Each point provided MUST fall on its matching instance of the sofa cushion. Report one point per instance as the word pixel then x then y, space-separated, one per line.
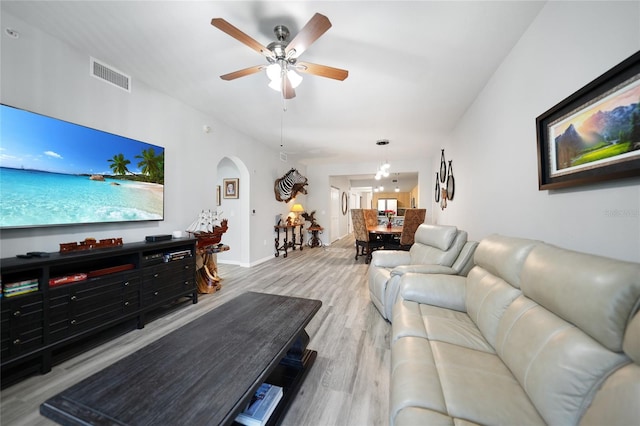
pixel 479 387
pixel 597 294
pixel 504 256
pixel 558 365
pixel 415 378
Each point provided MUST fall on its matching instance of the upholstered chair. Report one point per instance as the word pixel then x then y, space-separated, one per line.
pixel 437 249
pixel 412 219
pixel 364 243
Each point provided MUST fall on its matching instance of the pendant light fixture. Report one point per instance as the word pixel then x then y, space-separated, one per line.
pixel 383 170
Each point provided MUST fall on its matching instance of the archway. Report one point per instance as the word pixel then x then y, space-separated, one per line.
pixel 236 210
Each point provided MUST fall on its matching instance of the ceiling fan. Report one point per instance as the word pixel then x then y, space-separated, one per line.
pixel 283 55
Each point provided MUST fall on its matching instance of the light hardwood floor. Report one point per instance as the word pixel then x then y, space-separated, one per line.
pixel 347 385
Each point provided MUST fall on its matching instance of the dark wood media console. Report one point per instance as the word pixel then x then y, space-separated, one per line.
pixel 123 284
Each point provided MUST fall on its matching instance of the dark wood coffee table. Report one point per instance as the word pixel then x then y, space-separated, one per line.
pixel 203 373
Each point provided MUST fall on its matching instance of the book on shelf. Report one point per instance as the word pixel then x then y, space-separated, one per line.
pixel 176 255
pixel 20 287
pixel 262 405
pixel 66 279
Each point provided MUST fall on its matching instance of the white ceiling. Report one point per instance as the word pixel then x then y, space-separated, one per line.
pixel 414 66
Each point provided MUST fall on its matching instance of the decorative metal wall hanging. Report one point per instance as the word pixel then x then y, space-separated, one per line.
pixel 443 167
pixel 445 176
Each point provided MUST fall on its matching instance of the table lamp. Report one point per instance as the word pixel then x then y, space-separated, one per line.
pixel 297 209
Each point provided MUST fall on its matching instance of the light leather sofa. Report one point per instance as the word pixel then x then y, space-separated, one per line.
pixel 436 249
pixel 535 334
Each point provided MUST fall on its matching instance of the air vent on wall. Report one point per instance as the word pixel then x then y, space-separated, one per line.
pixel 283 156
pixel 109 74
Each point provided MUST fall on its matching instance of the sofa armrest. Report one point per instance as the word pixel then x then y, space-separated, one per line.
pixel 390 258
pixel 423 269
pixel 445 291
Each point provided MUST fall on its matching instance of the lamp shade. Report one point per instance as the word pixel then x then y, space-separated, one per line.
pixel 297 208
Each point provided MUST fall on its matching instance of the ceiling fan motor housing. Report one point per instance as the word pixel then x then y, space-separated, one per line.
pixel 279 47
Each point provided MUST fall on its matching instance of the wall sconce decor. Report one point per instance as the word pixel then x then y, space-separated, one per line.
pixel 446 192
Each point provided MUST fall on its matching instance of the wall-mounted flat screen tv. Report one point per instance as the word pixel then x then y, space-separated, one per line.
pixel 53 172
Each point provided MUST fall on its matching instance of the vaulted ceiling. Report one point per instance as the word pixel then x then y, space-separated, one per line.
pixel 414 66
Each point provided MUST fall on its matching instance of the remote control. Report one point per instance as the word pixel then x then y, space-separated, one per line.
pixel 38 254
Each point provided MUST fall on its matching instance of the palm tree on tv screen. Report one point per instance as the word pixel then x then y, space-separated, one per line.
pixel 119 164
pixel 152 165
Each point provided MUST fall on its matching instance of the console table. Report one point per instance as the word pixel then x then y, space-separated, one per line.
pixel 121 284
pixel 315 241
pixel 203 373
pixel 286 243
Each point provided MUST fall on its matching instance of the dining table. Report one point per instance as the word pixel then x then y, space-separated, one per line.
pixel 385 230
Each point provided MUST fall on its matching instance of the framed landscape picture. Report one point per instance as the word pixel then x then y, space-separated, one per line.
pixel 230 188
pixel 593 135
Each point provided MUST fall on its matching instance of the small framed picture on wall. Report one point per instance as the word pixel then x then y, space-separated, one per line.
pixel 230 188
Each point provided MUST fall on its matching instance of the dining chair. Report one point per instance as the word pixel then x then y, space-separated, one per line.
pixel 364 243
pixel 412 219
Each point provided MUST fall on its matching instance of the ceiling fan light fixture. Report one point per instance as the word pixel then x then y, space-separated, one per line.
pixel 274 73
pixel 294 78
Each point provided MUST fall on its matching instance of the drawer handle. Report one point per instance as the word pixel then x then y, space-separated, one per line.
pixel 17 313
pixel 186 283
pixel 74 298
pixel 126 283
pixel 126 303
pixel 186 266
pixel 156 275
pixel 73 322
pixel 17 342
pixel 155 293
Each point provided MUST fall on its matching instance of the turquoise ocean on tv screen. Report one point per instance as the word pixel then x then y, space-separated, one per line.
pixel 41 198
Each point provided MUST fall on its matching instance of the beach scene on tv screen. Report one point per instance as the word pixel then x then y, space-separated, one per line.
pixel 53 172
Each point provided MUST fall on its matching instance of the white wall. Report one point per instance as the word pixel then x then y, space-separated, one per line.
pixel 494 148
pixel 42 74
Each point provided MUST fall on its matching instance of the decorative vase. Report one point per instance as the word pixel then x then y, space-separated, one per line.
pixel 389 225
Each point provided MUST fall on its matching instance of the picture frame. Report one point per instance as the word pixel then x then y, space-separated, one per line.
pixel 345 203
pixel 218 195
pixel 230 188
pixel 594 134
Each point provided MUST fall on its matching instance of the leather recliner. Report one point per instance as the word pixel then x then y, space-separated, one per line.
pixel 437 249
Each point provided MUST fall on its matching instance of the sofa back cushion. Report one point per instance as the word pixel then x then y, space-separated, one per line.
pixel 563 337
pixel 597 294
pixel 490 288
pixel 504 256
pixel 437 245
pixel 438 236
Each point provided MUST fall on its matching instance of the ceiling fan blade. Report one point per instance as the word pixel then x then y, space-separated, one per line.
pixel 234 32
pixel 287 89
pixel 317 25
pixel 322 70
pixel 242 73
